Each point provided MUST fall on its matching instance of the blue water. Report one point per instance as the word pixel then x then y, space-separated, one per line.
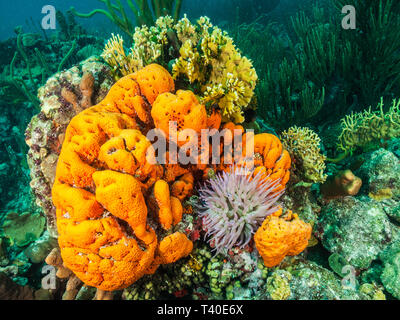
pixel 23 12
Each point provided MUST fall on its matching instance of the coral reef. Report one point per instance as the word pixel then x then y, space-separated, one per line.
pixel 140 209
pixel 303 144
pixel 107 137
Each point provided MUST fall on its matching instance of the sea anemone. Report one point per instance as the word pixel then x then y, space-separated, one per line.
pixel 234 205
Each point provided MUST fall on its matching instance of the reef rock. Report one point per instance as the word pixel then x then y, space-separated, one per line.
pixel 381 174
pixel 391 273
pixel 309 281
pixel 38 251
pixel 9 290
pixel 23 229
pixel 356 228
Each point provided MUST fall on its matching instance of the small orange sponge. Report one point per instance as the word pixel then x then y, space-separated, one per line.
pixel 279 237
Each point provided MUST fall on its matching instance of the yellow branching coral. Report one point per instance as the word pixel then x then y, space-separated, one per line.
pixel 114 54
pixel 148 47
pixel 360 129
pixel 201 56
pixel 303 146
pixel 231 81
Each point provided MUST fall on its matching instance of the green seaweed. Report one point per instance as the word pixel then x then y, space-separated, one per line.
pixel 313 69
pixel 21 50
pixel 21 85
pixel 141 10
pixel 67 56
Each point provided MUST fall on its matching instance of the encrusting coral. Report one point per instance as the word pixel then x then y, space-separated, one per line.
pixel 281 236
pixel 111 196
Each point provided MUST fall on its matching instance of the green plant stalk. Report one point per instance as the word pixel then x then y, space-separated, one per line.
pixel 339 158
pixel 20 48
pixel 157 8
pixel 177 10
pixel 43 64
pixel 21 86
pixel 123 23
pixel 68 55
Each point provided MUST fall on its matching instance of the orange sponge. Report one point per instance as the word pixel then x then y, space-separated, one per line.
pixel 182 108
pixel 102 180
pixel 279 237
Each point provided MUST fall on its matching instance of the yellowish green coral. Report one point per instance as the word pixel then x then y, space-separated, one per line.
pixel 201 55
pixel 303 145
pixel 372 291
pixel 226 78
pixel 147 48
pixel 114 54
pixel 360 129
pixel 278 285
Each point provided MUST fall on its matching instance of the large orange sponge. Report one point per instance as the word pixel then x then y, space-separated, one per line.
pixel 102 180
pixel 279 237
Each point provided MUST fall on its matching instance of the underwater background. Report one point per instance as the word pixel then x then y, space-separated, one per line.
pixel 323 101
